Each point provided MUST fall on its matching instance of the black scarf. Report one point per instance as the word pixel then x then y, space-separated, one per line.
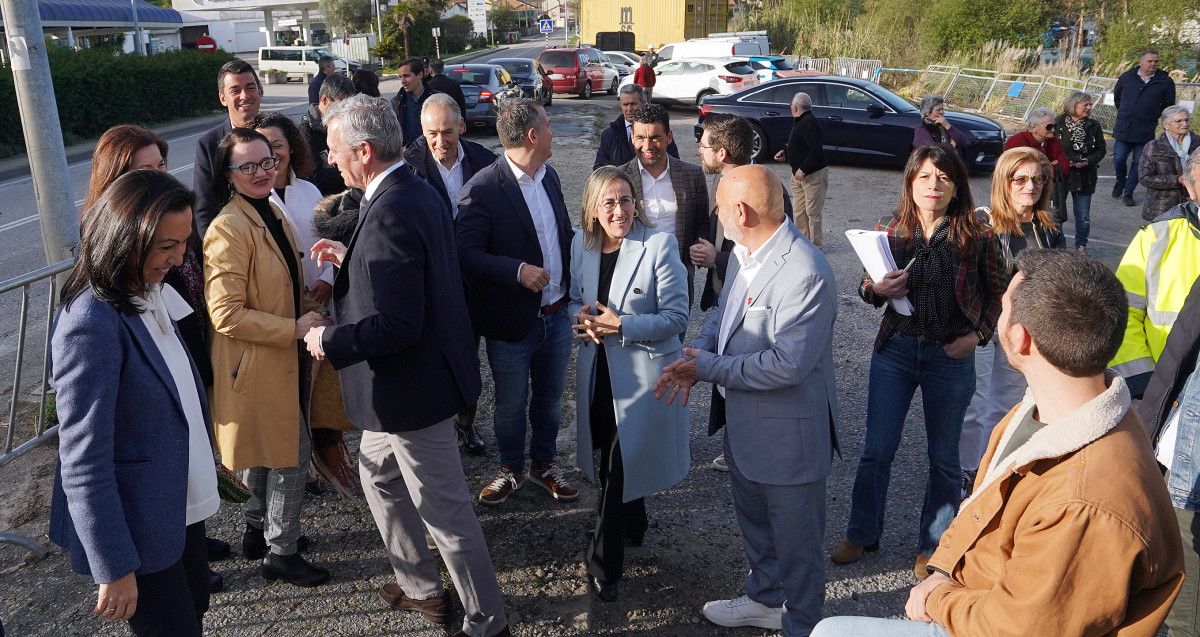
pixel 936 314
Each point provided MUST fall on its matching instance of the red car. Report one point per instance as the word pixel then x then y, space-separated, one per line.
pixel 580 71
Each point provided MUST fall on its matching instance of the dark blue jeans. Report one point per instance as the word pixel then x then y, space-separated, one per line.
pixel 1121 152
pixel 1081 206
pixel 947 384
pixel 539 361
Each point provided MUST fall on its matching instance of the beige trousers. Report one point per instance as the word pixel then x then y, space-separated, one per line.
pixel 808 198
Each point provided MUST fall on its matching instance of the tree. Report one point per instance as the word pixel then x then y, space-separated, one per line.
pixel 347 16
pixel 503 18
pixel 456 31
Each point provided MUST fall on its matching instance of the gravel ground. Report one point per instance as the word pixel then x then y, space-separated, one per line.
pixel 693 551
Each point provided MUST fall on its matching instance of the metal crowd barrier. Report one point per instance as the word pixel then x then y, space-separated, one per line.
pixel 854 67
pixel 39 433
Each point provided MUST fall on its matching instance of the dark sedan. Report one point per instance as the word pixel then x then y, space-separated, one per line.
pixel 530 76
pixel 483 86
pixel 862 121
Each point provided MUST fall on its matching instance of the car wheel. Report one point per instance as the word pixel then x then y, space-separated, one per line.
pixel 760 146
pixel 612 90
pixel 587 90
pixel 703 94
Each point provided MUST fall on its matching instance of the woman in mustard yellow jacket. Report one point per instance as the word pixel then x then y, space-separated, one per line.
pixel 254 289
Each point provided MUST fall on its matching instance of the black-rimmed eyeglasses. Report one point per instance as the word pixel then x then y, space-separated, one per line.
pixel 249 168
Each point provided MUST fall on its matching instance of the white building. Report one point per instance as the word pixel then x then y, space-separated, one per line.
pixel 242 26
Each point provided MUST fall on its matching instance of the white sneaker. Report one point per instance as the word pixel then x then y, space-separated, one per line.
pixel 743 611
pixel 719 464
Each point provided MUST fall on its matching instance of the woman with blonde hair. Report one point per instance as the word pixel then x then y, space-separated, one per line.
pixel 1020 218
pixel 629 298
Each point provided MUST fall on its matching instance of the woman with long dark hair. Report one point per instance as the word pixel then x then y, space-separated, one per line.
pixel 135 479
pixel 953 278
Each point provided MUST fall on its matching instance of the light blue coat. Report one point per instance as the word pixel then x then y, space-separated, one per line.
pixel 649 292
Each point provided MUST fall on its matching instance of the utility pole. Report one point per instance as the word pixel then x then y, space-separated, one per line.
pixel 137 30
pixel 43 134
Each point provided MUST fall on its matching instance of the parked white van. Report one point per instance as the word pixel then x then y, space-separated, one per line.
pixel 297 61
pixel 719 47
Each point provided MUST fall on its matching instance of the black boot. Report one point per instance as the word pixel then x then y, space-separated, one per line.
pixel 254 543
pixel 292 569
pixel 464 424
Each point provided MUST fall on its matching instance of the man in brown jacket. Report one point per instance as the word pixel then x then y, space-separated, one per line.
pixel 1069 530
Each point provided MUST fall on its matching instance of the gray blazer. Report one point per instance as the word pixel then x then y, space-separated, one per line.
pixel 648 293
pixel 777 367
pixel 691 197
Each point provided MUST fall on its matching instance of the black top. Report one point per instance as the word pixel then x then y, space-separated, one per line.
pixel 804 146
pixel 275 227
pixel 608 264
pixel 280 191
pixel 936 314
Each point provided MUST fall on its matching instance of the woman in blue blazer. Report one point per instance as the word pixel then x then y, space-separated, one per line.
pixel 630 301
pixel 135 478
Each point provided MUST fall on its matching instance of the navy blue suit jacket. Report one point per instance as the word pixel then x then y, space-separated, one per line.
pixel 495 235
pixel 120 485
pixel 403 345
pixel 204 176
pixel 615 147
pixel 418 157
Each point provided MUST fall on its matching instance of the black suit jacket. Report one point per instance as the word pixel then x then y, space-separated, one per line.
pixel 442 84
pixel 716 275
pixel 495 235
pixel 1175 365
pixel 403 345
pixel 615 147
pixel 204 177
pixel 475 159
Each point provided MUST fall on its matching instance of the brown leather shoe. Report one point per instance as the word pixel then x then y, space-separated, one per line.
pixel 921 567
pixel 848 552
pixel 435 610
pixel 461 633
pixel 502 486
pixel 550 478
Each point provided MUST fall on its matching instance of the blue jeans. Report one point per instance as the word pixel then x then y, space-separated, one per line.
pixel 1121 152
pixel 904 364
pixel 1081 206
pixel 538 360
pixel 873 627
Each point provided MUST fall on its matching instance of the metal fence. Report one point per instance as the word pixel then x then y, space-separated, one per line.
pixel 27 425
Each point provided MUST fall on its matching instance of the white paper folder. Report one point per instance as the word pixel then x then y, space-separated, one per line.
pixel 873 250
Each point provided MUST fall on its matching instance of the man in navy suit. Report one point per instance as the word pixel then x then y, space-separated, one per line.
pixel 404 352
pixel 240 93
pixel 616 142
pixel 514 243
pixel 446 161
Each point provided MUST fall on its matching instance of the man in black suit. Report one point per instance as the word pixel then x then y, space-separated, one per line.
pixel 240 93
pixel 325 68
pixel 404 355
pixel 439 83
pixel 514 242
pixel 446 161
pixel 616 141
pixel 408 99
pixel 326 178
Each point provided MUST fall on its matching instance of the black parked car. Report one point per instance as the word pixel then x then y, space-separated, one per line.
pixel 530 76
pixel 862 121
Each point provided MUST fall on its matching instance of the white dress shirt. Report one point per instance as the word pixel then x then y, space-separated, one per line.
pixel 749 266
pixel 546 226
pixel 299 201
pixel 161 306
pixel 453 179
pixel 369 191
pixel 658 198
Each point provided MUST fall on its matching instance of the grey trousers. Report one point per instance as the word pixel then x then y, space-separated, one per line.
pixel 275 499
pixel 1184 618
pixel 783 529
pixel 414 480
pixel 808 200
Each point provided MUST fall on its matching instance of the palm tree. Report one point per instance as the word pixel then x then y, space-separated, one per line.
pixel 405 13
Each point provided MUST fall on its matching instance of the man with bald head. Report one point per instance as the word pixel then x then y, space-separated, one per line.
pixel 767 348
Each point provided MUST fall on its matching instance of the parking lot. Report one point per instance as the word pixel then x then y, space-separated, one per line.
pixel 693 551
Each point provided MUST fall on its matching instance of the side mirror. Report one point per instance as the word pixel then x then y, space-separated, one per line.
pixel 875 109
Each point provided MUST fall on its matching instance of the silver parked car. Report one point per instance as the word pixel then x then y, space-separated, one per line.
pixel 483 86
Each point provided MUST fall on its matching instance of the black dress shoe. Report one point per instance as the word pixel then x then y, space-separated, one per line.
pixel 470 440
pixel 606 592
pixel 1118 190
pixel 216 583
pixel 217 550
pixel 254 544
pixel 292 569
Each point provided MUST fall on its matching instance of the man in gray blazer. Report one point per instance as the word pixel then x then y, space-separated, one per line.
pixel 767 347
pixel 674 193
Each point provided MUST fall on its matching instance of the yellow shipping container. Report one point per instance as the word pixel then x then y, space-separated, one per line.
pixel 653 22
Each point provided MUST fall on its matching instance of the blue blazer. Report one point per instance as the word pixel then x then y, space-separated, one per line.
pixel 649 293
pixel 418 157
pixel 616 149
pixel 403 346
pixel 120 486
pixel 495 235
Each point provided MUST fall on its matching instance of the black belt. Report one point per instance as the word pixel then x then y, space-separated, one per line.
pixel 547 310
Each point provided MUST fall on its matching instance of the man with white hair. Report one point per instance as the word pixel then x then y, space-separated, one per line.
pixel 810 172
pixel 405 354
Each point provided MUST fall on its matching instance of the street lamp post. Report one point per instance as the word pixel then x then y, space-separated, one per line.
pixel 137 29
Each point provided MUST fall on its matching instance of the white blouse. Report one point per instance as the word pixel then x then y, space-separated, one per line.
pixel 161 307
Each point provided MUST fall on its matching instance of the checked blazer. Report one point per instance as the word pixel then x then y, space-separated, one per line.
pixel 979 281
pixel 691 197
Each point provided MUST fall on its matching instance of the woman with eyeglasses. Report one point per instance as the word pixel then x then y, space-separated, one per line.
pixel 1019 218
pixel 1161 167
pixel 629 298
pixel 1083 143
pixel 254 284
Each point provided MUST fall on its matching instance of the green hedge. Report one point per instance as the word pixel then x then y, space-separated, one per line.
pixel 96 89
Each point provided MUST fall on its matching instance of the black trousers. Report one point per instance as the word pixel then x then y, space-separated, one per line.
pixel 617 520
pixel 172 602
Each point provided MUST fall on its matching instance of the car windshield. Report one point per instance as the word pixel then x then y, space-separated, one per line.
pixel 781 65
pixel 558 59
pixel 741 68
pixel 517 67
pixel 324 52
pixel 895 101
pixel 470 74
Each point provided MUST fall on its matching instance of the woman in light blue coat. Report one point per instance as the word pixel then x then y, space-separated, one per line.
pixel 630 301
